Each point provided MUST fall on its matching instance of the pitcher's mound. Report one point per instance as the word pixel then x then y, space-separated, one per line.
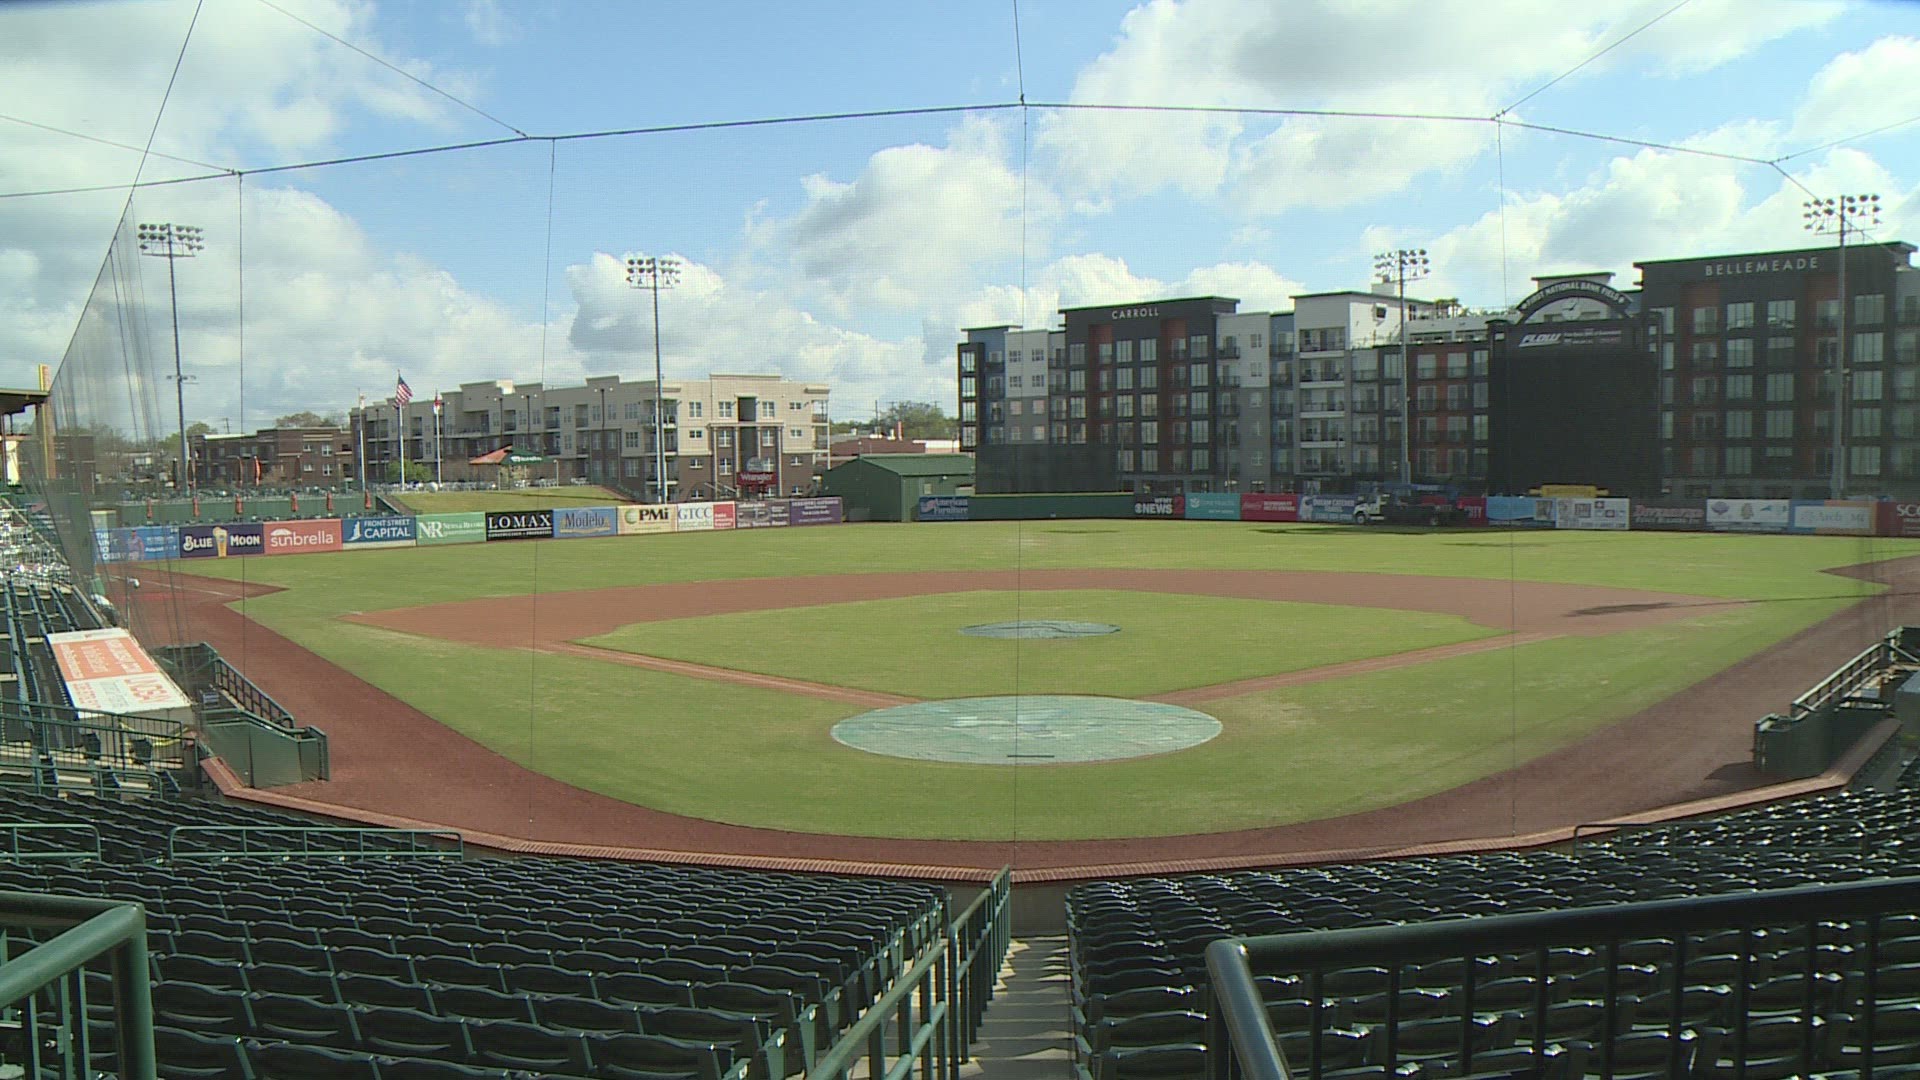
pixel 1040 729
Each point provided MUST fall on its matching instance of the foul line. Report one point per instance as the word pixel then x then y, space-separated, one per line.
pixel 1369 666
pixel 870 698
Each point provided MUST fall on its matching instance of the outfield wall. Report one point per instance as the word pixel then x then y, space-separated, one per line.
pixel 1826 517
pixel 149 543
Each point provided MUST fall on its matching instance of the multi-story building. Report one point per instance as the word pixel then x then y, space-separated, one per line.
pixel 723 435
pixel 275 457
pixel 1751 346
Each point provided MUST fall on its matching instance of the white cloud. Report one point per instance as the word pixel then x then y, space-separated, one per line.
pixel 489 25
pixel 1860 91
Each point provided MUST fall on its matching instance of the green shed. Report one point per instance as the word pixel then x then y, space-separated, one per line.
pixel 887 487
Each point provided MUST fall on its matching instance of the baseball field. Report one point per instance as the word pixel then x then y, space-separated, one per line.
pixel 1349 669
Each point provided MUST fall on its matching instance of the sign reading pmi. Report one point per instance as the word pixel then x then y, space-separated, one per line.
pixel 636 519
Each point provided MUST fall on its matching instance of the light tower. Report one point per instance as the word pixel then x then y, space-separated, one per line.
pixel 1400 266
pixel 654 274
pixel 1839 215
pixel 173 242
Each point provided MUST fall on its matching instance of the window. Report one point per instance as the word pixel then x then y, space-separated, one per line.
pixel 1705 425
pixel 1739 424
pixel 1456 429
pixel 1197 346
pixel 769 436
pixel 1740 316
pixel 1124 405
pixel 1740 352
pixel 1826 314
pixel 1700 461
pixel 1077 381
pixel 1426 366
pixel 1202 374
pixel 1865 423
pixel 1480 363
pixel 1666 424
pixel 631 439
pixel 1481 428
pixel 1150 351
pixel 1666 356
pixel 769 410
pixel 1705 320
pixel 596 414
pixel 696 409
pixel 1779 351
pixel 1866 386
pixel 1779 423
pixel 1149 378
pixel 1706 352
pixel 1366 367
pixel 1739 387
pixel 1663 318
pixel 1202 460
pixel 1866 348
pixel 1780 314
pixel 1149 404
pixel 1106 379
pixel 723 438
pixel 726 407
pixel 697 435
pixel 1739 461
pixel 796 433
pixel 1077 408
pixel 1906 385
pixel 1123 352
pixel 726 466
pixel 1869 310
pixel 1780 386
pixel 1705 388
pixel 1480 395
pixel 1077 354
pixel 1149 432
pixel 1202 431
pixel 1253 342
pixel 1457 365
pixel 1866 460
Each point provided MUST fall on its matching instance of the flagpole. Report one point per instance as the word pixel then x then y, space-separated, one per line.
pixel 437 454
pixel 401 407
pixel 360 454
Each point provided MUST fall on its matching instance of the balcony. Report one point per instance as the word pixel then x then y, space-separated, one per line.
pixel 1228 352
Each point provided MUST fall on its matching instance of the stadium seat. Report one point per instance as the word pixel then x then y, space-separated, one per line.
pixel 638 988
pixel 511 1045
pixel 646 1057
pixel 457 971
pixel 298 982
pixel 582 1014
pixel 183 968
pixel 410 1033
pixel 357 961
pixel 193 1055
pixel 472 1003
pixel 202 1009
pixel 402 1068
pixel 378 991
pixel 290 1061
pixel 546 979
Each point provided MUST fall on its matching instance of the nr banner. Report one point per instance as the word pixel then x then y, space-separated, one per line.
pixel 637 520
pixel 723 515
pixel 1278 506
pixel 1670 517
pixel 519 524
pixel 813 512
pixel 692 516
pixel 298 537
pixel 1211 507
pixel 378 532
pixel 221 541
pixel 572 522
pixel 1832 517
pixel 464 528
pixel 941 508
pixel 1749 515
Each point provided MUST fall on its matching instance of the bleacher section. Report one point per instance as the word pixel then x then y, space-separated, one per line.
pixel 399 967
pixel 1140 978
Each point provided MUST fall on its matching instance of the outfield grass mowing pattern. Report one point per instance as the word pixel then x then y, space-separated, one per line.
pixel 457 502
pixel 755 757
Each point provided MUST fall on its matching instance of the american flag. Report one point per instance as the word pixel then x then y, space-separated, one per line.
pixel 402 393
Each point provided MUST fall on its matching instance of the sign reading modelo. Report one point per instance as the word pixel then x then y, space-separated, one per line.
pixel 576 521
pixel 378 532
pixel 942 508
pixel 1749 515
pixel 1159 506
pixel 463 528
pixel 294 537
pixel 1281 506
pixel 221 541
pixel 813 512
pixel 519 524
pixel 692 516
pixel 635 520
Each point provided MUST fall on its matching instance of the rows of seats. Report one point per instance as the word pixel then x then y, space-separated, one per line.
pixel 1140 984
pixel 136 830
pixel 445 967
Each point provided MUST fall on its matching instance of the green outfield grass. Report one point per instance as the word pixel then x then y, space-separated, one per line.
pixel 760 758
pixel 456 502
pixel 914 646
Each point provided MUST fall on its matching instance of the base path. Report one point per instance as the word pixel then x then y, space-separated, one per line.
pixel 395 765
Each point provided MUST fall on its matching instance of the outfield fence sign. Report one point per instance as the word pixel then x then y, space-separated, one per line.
pixel 813 511
pixel 1749 515
pixel 764 514
pixel 1899 519
pixel 519 524
pixel 636 520
pixel 466 528
pixel 1832 517
pixel 724 515
pixel 221 541
pixel 1212 507
pixel 572 522
pixel 692 517
pixel 301 537
pixel 1672 517
pixel 378 532
pixel 1270 506
pixel 1603 515
pixel 1328 509
pixel 941 508
pixel 1169 507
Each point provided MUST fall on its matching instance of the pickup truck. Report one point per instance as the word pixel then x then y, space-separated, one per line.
pixel 1398 510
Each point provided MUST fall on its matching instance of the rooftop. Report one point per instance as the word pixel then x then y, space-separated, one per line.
pixel 918 464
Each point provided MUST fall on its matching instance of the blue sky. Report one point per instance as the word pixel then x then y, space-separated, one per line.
pixel 854 250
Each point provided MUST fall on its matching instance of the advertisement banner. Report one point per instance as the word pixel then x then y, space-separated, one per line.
pixel 1672 517
pixel 1280 506
pixel 571 522
pixel 1900 519
pixel 153 542
pixel 814 511
pixel 1749 515
pixel 764 514
pixel 636 519
pixel 296 537
pixel 107 670
pixel 1328 509
pixel 221 541
pixel 941 508
pixel 109 548
pixel 465 528
pixel 1512 509
pixel 1213 508
pixel 1473 507
pixel 723 515
pixel 692 516
pixel 1605 515
pixel 1832 517
pixel 519 524
pixel 1159 506
pixel 378 532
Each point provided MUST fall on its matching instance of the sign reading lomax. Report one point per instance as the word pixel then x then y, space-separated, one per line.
pixel 1760 266
pixel 1134 313
pixel 519 524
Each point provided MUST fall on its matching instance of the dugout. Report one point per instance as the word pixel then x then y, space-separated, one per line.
pixel 887 487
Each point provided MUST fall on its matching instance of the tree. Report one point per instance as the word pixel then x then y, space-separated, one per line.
pixel 416 472
pixel 917 420
pixel 306 418
pixel 170 442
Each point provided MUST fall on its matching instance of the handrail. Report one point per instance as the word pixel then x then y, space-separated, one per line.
pixel 948 975
pixel 11 830
pixel 421 843
pixel 1849 676
pixel 90 929
pixel 1233 963
pixel 47 712
pixel 1633 828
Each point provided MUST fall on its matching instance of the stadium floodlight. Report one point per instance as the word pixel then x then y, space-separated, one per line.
pixel 1402 265
pixel 174 242
pixel 654 274
pixel 1839 215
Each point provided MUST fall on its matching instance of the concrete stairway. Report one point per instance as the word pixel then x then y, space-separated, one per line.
pixel 1026 1035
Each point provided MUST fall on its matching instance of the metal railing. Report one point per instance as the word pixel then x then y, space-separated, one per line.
pixel 14 837
pixel 310 841
pixel 1806 914
pixel 1653 834
pixel 89 930
pixel 200 667
pixel 1865 668
pixel 936 1005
